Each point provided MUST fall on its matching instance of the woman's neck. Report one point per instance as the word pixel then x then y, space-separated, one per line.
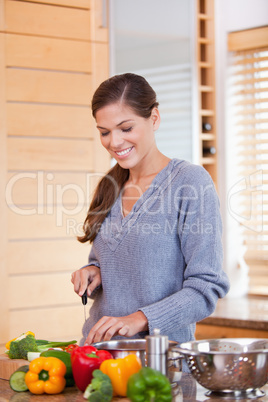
pixel 149 168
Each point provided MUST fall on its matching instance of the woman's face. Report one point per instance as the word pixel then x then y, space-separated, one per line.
pixel 128 137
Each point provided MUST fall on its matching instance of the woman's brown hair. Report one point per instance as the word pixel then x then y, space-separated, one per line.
pixel 133 91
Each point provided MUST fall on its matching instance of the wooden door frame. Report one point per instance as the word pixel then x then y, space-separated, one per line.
pixel 4 283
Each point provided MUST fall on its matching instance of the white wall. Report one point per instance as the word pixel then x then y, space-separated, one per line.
pixel 231 15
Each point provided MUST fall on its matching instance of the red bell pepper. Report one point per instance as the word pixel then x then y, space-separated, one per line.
pixel 86 359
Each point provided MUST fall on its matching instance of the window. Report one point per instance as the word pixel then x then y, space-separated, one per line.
pixel 248 117
pixel 157 42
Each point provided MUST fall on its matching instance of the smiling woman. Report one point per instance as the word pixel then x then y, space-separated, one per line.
pixel 151 265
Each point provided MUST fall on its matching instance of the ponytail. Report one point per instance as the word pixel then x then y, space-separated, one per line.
pixel 107 191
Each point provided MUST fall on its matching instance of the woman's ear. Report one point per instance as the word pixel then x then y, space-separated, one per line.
pixel 155 116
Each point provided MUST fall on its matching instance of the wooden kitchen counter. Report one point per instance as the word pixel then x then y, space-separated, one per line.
pixel 245 317
pixel 186 389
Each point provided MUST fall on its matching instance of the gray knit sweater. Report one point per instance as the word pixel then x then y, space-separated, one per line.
pixel 165 257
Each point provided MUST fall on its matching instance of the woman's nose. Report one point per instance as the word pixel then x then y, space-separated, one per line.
pixel 116 139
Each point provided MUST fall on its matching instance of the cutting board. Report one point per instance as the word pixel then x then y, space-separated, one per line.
pixel 8 366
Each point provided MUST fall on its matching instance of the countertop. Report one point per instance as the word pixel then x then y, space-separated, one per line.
pixel 244 312
pixel 185 389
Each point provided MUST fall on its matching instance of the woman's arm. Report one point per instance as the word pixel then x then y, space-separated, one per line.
pixel 199 231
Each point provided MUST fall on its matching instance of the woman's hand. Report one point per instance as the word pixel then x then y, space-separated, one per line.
pixel 86 278
pixel 107 327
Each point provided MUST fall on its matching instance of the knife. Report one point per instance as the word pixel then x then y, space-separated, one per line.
pixel 84 302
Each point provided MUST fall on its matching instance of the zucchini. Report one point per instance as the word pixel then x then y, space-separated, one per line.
pixel 16 380
pixel 65 357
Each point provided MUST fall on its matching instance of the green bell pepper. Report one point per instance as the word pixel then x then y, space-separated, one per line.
pixel 149 385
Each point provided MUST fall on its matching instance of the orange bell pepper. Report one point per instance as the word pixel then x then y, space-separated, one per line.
pixel 46 375
pixel 119 371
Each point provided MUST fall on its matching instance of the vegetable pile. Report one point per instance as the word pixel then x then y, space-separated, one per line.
pixel 19 348
pixel 95 372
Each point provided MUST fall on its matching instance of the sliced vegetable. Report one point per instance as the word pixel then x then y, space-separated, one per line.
pixel 46 375
pixel 70 348
pixel 66 359
pixel 149 385
pixel 86 359
pixel 119 371
pixel 17 379
pixel 32 355
pixel 100 389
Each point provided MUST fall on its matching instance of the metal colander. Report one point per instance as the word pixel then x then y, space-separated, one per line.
pixel 235 366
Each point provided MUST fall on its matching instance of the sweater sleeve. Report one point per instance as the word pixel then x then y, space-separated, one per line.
pixel 199 231
pixel 92 259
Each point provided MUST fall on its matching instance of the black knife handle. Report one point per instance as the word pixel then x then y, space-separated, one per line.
pixel 84 298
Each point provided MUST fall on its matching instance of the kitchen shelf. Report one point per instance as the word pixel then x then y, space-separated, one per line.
pixel 206 86
pixel 207 137
pixel 204 41
pixel 208 161
pixel 204 64
pixel 203 16
pixel 204 112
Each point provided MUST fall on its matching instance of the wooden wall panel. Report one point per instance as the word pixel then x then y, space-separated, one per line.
pixel 45 20
pixel 46 188
pixel 48 86
pixel 48 53
pixel 48 323
pixel 2 23
pixel 100 60
pixel 49 154
pixel 42 120
pixel 4 280
pixel 50 65
pixel 69 3
pixel 41 290
pixel 52 223
pixel 99 21
pixel 68 255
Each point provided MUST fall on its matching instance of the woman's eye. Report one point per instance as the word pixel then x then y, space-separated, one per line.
pixel 104 134
pixel 127 130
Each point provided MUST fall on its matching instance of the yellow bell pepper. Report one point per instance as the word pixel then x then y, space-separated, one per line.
pixel 119 371
pixel 21 336
pixel 46 375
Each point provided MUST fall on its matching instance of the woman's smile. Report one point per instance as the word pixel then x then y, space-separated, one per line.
pixel 124 152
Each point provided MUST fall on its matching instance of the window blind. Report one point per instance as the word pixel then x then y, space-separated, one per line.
pixel 173 86
pixel 249 84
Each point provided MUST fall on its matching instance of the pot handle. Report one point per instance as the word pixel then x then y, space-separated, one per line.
pixel 174 358
pixel 185 352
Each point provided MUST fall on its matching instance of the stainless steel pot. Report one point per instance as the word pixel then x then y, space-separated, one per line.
pixel 123 347
pixel 236 367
